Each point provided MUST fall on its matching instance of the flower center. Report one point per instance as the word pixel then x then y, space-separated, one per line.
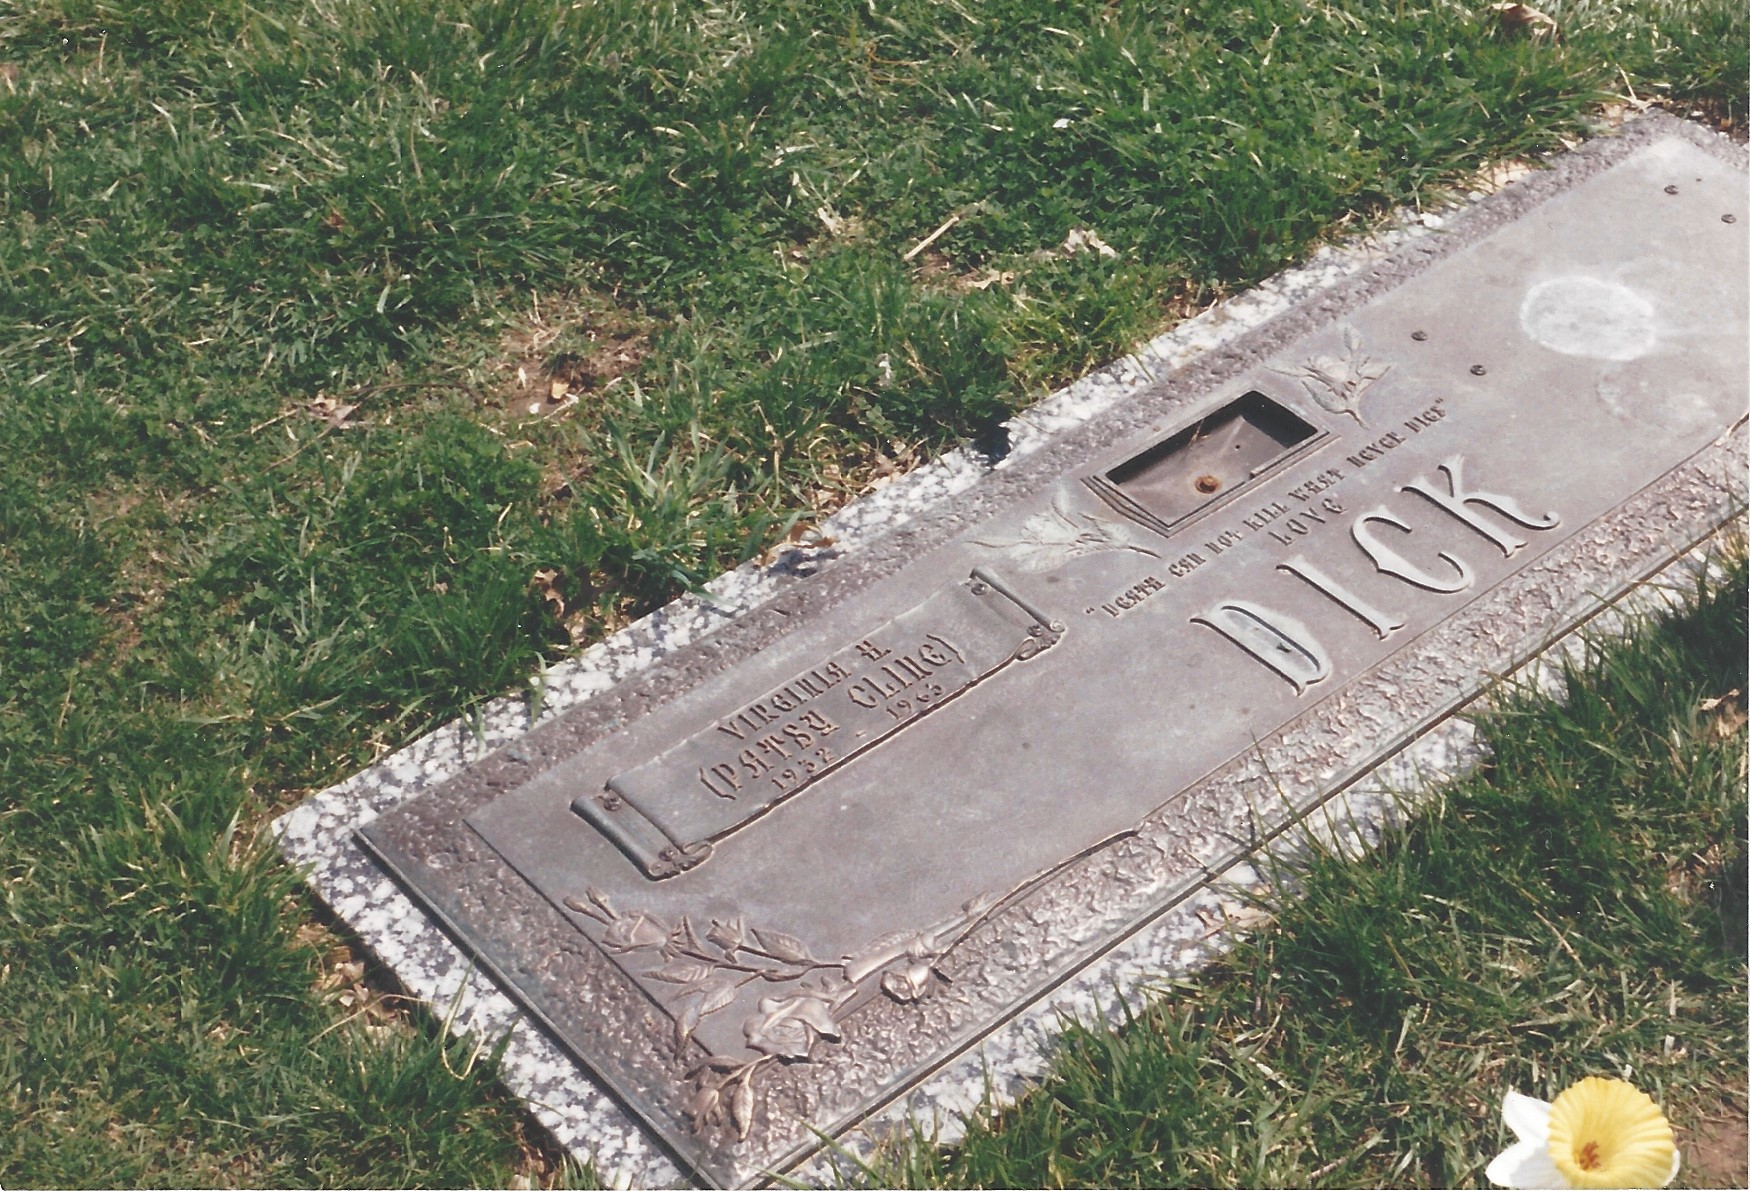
pixel 1606 1133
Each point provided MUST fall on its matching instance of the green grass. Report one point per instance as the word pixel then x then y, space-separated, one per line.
pixel 219 221
pixel 1577 908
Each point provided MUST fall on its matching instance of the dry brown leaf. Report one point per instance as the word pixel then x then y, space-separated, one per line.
pixel 1082 239
pixel 326 409
pixel 804 535
pixel 577 627
pixel 1503 173
pixel 546 581
pixel 1726 717
pixel 992 277
pixel 1522 18
pixel 341 976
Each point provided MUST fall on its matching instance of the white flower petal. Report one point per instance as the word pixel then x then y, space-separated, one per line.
pixel 1676 1161
pixel 1527 1116
pixel 1525 1164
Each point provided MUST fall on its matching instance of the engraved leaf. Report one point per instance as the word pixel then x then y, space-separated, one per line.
pixel 1051 538
pixel 1337 385
pixel 718 1063
pixel 779 945
pixel 631 932
pixel 741 1108
pixel 704 1108
pixel 685 1023
pixel 681 971
pixel 601 899
pixel 716 996
pixel 1330 393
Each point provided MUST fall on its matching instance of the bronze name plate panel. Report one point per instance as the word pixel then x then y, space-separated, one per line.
pixel 665 813
pixel 793 868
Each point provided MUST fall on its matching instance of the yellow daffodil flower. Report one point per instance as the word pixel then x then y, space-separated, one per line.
pixel 1598 1133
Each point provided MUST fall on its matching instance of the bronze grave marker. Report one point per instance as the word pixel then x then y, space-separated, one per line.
pixel 798 865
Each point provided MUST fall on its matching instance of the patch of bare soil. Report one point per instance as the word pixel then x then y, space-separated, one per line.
pixel 145 575
pixel 1716 114
pixel 559 352
pixel 1716 1152
pixel 1713 113
pixel 559 361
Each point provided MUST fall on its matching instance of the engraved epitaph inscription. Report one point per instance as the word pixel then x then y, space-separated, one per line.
pixel 918 819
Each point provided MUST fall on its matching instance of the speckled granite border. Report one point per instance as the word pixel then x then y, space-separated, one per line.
pixel 582 1118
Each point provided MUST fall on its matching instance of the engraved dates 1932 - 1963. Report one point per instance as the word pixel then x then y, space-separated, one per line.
pixel 666 813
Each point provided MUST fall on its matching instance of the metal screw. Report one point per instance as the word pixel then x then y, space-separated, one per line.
pixel 1671 189
pixel 1206 484
pixel 1477 370
pixel 1419 336
pixel 1728 219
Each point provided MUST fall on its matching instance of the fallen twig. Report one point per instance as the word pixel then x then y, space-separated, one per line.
pixel 932 237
